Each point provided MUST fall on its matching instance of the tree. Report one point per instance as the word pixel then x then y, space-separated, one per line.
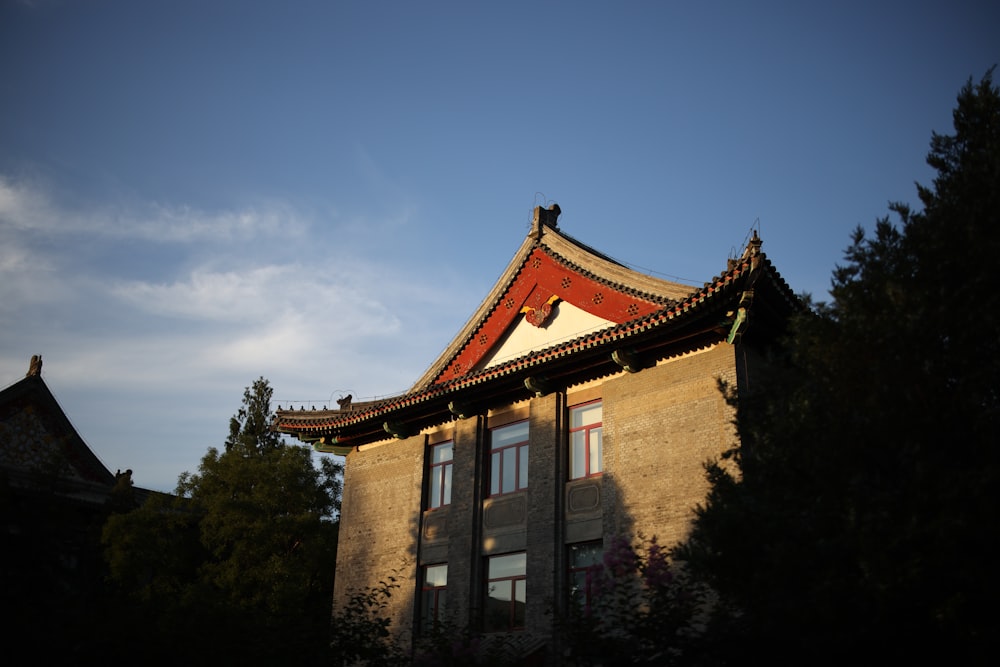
pixel 241 562
pixel 265 512
pixel 857 522
pixel 250 431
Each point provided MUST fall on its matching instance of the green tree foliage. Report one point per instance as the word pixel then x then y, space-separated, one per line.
pixel 858 524
pixel 250 430
pixel 240 563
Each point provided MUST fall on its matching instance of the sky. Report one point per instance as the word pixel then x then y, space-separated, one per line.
pixel 196 194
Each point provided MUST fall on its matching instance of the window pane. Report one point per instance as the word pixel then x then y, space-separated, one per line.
pixel 519 590
pixel 495 473
pixel 509 467
pixel 447 484
pixel 501 590
pixel 435 487
pixel 498 606
pixel 436 575
pixel 523 472
pixel 519 596
pixel 582 560
pixel 583 415
pixel 577 454
pixel 442 452
pixel 578 586
pixel 508 435
pixel 511 565
pixel 585 555
pixel 596 459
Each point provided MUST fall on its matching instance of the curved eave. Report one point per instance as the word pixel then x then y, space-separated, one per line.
pixel 700 319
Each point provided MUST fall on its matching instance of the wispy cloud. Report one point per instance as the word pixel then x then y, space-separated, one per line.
pixel 188 307
pixel 28 207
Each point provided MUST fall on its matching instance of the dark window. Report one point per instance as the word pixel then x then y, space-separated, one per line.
pixel 433 595
pixel 509 458
pixel 439 475
pixel 585 440
pixel 505 592
pixel 584 559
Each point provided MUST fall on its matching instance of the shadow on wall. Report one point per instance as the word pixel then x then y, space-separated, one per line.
pixel 643 597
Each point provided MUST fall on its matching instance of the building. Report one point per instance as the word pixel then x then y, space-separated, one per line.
pixel 579 402
pixel 55 495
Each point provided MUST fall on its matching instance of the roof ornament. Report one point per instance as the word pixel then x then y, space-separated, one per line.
pixel 548 217
pixel 537 312
pixel 35 366
pixel 753 247
pixel 345 402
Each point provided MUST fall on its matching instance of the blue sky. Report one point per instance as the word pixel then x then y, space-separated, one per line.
pixel 196 194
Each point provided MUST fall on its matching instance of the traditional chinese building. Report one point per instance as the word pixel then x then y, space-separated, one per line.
pixel 55 495
pixel 578 402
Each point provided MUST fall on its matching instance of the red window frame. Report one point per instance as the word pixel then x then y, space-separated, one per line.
pixel 509 578
pixel 584 560
pixel 439 474
pixel 584 433
pixel 433 594
pixel 509 458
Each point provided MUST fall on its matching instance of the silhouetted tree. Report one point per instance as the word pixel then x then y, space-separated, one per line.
pixel 857 527
pixel 240 564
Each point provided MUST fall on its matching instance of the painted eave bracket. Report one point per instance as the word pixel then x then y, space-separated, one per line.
pixel 627 359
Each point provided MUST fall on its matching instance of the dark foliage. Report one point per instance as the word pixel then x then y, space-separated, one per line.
pixel 858 527
pixel 237 568
pixel 643 610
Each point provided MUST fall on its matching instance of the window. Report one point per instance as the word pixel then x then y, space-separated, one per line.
pixel 439 475
pixel 583 559
pixel 509 458
pixel 505 592
pixel 585 457
pixel 433 595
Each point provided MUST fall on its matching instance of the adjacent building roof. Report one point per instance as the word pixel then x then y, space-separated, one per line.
pixel 561 313
pixel 40 447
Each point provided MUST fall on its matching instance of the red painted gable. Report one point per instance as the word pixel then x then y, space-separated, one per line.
pixel 542 281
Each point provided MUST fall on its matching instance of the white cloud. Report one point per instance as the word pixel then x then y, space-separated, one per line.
pixel 151 358
pixel 29 208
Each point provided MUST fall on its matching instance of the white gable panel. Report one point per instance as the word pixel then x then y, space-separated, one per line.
pixel 566 323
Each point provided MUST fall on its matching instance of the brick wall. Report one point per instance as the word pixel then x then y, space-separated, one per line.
pixel 463 534
pixel 546 474
pixel 660 426
pixel 380 522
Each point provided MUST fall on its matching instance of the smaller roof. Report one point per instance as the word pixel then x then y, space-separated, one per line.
pixel 36 436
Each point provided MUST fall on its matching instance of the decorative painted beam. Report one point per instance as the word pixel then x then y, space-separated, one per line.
pixel 331 445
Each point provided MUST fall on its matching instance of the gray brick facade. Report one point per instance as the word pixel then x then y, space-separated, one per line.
pixel 660 425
